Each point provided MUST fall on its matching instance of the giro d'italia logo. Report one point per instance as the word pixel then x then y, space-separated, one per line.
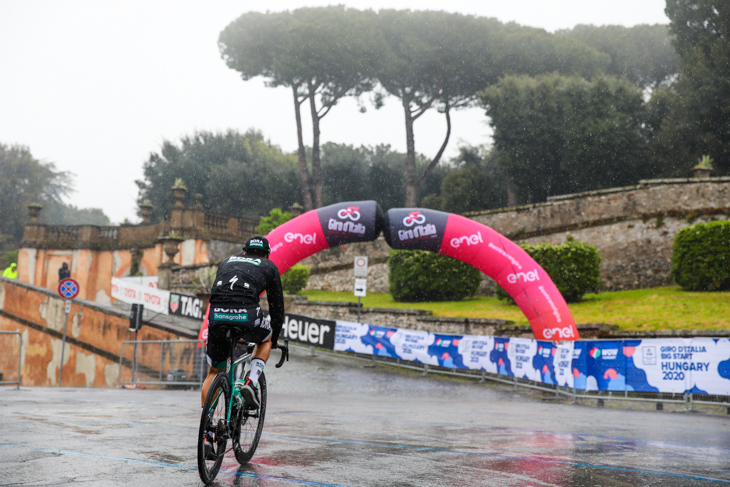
pixel 350 212
pixel 414 218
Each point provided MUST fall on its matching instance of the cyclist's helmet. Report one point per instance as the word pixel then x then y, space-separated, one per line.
pixel 257 245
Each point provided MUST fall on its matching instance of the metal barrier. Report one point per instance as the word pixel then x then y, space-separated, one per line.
pixel 11 344
pixel 166 363
pixel 687 399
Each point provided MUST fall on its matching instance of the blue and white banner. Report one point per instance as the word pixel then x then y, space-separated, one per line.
pixel 698 365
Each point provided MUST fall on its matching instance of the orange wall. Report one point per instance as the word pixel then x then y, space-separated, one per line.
pixel 87 323
pixel 94 269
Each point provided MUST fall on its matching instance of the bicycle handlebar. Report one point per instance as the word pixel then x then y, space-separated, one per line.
pixel 284 352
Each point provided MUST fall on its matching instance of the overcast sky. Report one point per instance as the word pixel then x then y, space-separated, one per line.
pixel 96 86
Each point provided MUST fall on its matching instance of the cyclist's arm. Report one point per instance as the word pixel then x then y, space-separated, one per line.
pixel 275 296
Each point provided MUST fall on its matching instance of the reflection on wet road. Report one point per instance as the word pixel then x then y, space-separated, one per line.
pixel 332 423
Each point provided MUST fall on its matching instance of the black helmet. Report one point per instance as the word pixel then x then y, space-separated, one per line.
pixel 257 244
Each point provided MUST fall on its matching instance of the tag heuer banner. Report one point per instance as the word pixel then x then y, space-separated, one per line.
pixel 186 305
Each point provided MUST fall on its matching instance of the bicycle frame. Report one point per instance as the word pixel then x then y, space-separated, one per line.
pixel 231 366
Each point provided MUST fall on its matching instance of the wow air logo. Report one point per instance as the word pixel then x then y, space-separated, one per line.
pixel 350 215
pixel 594 353
pixel 416 220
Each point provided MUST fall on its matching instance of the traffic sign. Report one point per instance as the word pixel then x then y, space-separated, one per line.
pixel 361 287
pixel 361 266
pixel 68 288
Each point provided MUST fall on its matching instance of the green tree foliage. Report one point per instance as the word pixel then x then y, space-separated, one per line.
pixel 441 59
pixel 417 275
pixel 24 180
pixel 557 135
pixel 701 257
pixel 369 173
pixel 698 121
pixel 268 223
pixel 9 257
pixel 321 53
pixel 237 174
pixel 295 279
pixel 574 268
pixel 643 53
pixel 475 183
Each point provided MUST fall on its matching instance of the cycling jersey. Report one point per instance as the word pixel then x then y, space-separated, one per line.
pixel 240 281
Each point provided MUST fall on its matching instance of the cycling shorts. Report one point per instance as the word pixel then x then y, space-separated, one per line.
pixel 247 324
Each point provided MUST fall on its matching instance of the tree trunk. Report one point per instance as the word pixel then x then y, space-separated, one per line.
pixel 436 159
pixel 303 171
pixel 316 167
pixel 411 177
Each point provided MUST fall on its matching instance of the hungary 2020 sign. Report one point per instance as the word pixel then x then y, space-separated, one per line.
pixel 435 231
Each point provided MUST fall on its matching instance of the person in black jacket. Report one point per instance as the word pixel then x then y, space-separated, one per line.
pixel 234 303
pixel 63 272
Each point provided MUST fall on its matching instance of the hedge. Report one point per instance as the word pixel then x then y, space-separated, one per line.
pixel 574 267
pixel 417 275
pixel 701 257
pixel 295 279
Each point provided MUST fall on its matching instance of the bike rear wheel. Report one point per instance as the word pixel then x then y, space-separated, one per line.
pixel 247 428
pixel 213 418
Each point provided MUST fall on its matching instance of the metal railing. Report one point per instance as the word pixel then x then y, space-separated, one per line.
pixel 688 400
pixel 11 345
pixel 165 363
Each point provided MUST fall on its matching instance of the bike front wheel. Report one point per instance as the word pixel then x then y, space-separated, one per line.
pixel 248 426
pixel 213 424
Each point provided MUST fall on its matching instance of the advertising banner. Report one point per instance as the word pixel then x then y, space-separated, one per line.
pixel 699 365
pixel 153 299
pixel 186 305
pixel 308 331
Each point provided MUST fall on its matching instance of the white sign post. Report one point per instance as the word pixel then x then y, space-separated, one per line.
pixel 361 266
pixel 361 287
pixel 360 270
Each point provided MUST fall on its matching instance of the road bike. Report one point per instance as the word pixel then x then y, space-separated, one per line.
pixel 223 416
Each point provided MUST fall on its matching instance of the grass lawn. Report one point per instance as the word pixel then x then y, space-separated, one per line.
pixel 643 309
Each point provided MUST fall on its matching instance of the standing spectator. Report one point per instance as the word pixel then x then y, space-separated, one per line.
pixel 63 272
pixel 11 272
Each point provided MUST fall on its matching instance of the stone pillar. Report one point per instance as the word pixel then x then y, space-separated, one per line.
pixel 34 211
pixel 145 209
pixel 164 274
pixel 178 194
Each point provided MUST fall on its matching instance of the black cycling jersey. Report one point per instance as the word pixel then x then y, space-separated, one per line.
pixel 240 281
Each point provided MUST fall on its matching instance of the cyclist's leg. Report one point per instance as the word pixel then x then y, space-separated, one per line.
pixel 217 353
pixel 212 372
pixel 262 351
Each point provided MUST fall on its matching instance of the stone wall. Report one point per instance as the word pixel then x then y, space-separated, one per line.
pixel 95 335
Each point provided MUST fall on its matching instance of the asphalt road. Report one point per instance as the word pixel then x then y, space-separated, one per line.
pixel 332 422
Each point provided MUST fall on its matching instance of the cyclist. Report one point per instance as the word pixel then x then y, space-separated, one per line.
pixel 234 302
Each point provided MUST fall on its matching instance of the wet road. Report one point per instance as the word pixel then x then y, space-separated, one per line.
pixel 332 422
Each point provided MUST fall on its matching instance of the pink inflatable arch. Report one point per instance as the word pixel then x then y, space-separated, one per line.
pixel 436 231
pixel 316 230
pixel 493 254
